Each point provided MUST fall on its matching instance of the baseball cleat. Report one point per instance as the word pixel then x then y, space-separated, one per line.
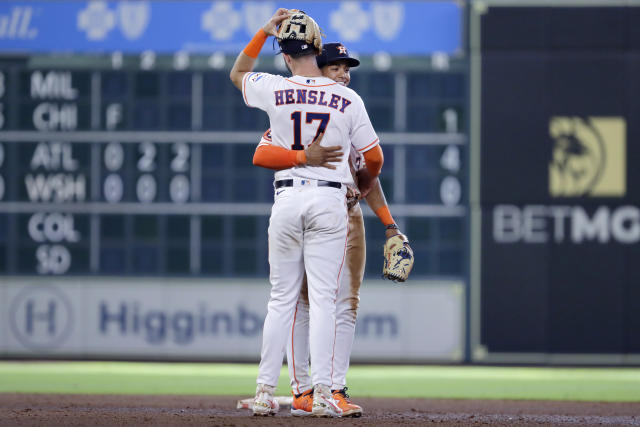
pixel 349 409
pixel 324 405
pixel 264 403
pixel 302 404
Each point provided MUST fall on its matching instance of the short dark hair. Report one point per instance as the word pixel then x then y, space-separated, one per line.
pixel 301 54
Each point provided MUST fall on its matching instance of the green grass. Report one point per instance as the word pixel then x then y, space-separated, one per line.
pixel 464 382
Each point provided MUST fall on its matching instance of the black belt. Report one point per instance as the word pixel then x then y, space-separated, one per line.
pixel 289 183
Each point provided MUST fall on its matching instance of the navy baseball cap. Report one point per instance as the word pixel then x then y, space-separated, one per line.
pixel 293 47
pixel 335 52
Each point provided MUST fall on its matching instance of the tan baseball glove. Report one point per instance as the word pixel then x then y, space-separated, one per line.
pixel 398 258
pixel 300 26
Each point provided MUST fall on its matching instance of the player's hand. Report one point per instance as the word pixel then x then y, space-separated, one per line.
pixel 271 27
pixel 390 232
pixel 317 155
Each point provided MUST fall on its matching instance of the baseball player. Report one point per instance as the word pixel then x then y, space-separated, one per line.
pixel 334 62
pixel 308 224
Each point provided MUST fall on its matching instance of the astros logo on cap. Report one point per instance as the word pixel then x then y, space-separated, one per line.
pixel 342 50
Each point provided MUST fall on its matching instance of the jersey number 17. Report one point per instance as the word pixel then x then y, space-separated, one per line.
pixel 296 116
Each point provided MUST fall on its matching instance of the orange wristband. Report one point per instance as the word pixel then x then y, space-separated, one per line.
pixel 301 157
pixel 384 215
pixel 256 43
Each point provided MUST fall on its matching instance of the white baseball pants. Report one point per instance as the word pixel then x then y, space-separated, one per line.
pixel 346 311
pixel 307 232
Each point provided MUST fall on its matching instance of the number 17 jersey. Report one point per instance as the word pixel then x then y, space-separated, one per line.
pixel 300 108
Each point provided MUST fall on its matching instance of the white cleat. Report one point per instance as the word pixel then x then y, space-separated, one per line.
pixel 324 405
pixel 264 403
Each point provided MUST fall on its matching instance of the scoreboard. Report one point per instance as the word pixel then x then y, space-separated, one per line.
pixel 145 170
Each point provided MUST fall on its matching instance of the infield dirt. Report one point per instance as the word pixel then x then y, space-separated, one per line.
pixel 130 410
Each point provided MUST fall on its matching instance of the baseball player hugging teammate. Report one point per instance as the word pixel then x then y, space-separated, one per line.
pixel 314 120
pixel 334 62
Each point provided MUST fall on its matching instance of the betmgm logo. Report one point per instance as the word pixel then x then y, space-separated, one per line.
pixel 588 157
pixel 588 160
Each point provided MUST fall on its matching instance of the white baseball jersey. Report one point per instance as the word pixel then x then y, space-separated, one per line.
pixel 300 108
pixel 356 159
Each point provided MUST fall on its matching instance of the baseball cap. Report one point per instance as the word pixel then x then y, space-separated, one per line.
pixel 292 47
pixel 334 52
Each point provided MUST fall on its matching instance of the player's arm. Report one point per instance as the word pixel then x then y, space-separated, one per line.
pixel 367 177
pixel 374 159
pixel 247 58
pixel 273 157
pixel 277 158
pixel 364 139
pixel 398 255
pixel 378 204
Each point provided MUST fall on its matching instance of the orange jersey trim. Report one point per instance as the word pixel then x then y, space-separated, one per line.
pixel 302 84
pixel 374 142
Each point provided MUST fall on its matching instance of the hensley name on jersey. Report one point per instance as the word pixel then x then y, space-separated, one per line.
pixel 302 96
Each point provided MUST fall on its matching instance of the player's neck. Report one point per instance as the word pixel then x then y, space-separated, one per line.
pixel 308 74
pixel 306 67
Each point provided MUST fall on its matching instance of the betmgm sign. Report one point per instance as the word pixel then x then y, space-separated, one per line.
pixel 588 160
pixel 555 276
